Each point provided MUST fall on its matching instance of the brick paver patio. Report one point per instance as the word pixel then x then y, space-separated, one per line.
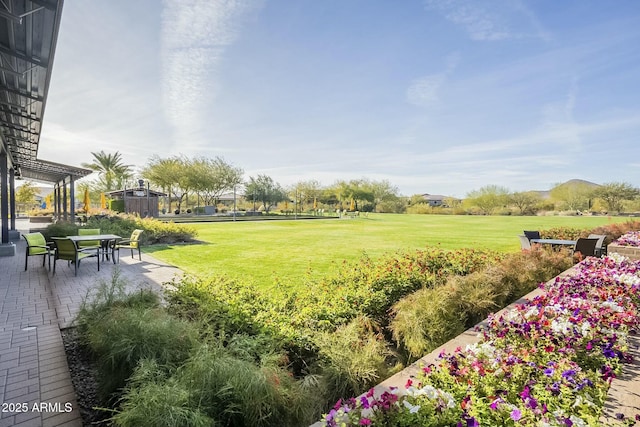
pixel 35 383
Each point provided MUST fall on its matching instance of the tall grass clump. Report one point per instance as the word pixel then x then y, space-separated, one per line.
pixel 151 398
pixel 121 329
pixel 215 388
pixel 430 317
pixel 353 358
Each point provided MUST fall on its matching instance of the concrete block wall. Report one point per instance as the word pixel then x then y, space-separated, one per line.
pixel 630 252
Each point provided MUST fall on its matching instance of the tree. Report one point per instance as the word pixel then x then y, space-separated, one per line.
pixel 307 192
pixel 213 177
pixel 264 190
pixel 112 171
pixel 385 196
pixel 488 198
pixel 26 195
pixel 525 201
pixel 171 175
pixel 614 193
pixel 357 190
pixel 573 195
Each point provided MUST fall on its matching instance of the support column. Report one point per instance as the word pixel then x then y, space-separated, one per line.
pixel 72 189
pixel 64 200
pixel 12 199
pixel 6 248
pixel 14 235
pixel 59 203
pixel 54 200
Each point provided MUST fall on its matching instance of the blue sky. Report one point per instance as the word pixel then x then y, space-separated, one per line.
pixel 435 96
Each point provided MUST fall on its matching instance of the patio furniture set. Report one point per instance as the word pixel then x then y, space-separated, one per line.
pixel 593 245
pixel 88 243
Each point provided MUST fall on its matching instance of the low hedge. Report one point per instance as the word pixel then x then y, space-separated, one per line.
pixel 155 231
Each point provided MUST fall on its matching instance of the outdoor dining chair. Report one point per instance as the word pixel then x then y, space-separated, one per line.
pixel 584 248
pixel 37 245
pixel 601 249
pixel 532 234
pixel 525 244
pixel 66 249
pixel 88 232
pixel 131 243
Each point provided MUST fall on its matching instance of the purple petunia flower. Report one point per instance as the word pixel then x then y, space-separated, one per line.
pixel 472 422
pixel 516 414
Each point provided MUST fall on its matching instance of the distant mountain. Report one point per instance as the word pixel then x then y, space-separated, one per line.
pixel 573 182
pixel 545 194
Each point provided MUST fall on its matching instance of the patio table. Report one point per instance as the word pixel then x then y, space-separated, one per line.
pixel 103 238
pixel 554 242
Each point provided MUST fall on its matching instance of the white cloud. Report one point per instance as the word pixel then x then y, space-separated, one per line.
pixel 195 34
pixel 490 21
pixel 423 91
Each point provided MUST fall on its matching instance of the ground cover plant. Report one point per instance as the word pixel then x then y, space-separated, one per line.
pixel 287 252
pixel 548 362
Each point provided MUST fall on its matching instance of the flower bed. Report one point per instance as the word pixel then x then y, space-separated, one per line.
pixel 627 245
pixel 548 362
pixel 631 238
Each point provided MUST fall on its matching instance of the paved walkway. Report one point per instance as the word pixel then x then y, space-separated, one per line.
pixel 35 384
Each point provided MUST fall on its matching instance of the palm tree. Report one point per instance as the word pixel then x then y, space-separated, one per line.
pixel 110 168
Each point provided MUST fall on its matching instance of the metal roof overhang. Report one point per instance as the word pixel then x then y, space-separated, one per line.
pixel 28 35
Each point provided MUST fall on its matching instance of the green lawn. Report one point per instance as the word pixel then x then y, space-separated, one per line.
pixel 265 251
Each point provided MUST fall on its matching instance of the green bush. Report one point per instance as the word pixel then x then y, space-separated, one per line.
pixel 430 317
pixel 278 357
pixel 235 392
pixel 121 329
pixel 352 359
pixel 426 319
pixel 224 305
pixel 152 399
pixel 155 231
pixel 60 229
pixel 110 294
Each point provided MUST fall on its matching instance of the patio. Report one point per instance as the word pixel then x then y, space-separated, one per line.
pixel 35 306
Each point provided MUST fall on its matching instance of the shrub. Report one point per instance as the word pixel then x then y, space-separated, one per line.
pixel 224 305
pixel 60 229
pixel 612 231
pixel 235 392
pixel 371 287
pixel 155 231
pixel 110 294
pixel 129 334
pixel 425 319
pixel 430 317
pixel 152 399
pixel 352 359
pixel 121 329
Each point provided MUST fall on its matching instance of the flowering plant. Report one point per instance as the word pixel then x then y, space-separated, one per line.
pixel 546 363
pixel 632 238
